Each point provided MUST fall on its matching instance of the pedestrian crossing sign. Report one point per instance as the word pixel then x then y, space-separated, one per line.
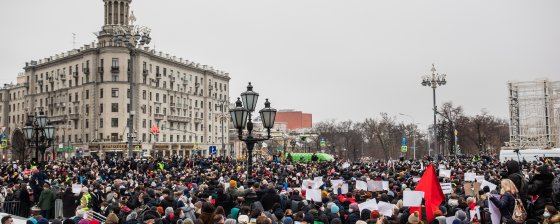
pixel 404 148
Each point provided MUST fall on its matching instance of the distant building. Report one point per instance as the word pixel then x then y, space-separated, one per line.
pixel 534 114
pixel 294 119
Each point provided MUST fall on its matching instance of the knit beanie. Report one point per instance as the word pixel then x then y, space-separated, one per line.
pixel 334 209
pixel 355 207
pixel 461 215
pixel 232 183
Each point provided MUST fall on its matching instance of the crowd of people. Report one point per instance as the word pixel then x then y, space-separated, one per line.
pixel 220 191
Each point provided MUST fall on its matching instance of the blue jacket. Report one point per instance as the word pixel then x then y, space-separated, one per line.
pixel 506 204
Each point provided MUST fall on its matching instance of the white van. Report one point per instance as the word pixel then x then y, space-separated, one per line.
pixel 528 154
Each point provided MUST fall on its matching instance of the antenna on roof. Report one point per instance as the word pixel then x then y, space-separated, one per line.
pixel 73 41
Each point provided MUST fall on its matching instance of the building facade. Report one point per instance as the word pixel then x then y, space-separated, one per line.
pixel 86 93
pixel 295 119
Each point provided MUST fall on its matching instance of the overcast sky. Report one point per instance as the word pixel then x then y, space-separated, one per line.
pixel 335 59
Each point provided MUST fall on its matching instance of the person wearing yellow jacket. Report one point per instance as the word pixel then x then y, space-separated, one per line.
pixel 85 201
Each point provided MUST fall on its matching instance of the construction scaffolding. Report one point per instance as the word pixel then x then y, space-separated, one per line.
pixel 534 114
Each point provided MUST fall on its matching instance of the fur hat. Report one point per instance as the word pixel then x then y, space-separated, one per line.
pixel 414 218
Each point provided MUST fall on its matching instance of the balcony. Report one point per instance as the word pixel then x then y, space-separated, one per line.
pixel 145 72
pixel 74 116
pixel 115 69
pixel 158 75
pixel 40 82
pixel 86 71
pixel 62 77
pixel 179 105
pixel 198 120
pixel 159 116
pixel 100 69
pixel 75 74
pixel 172 104
pixel 172 78
pixel 177 118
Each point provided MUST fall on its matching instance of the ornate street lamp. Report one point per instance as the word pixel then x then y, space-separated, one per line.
pixel 131 36
pixel 434 81
pixel 38 132
pixel 241 118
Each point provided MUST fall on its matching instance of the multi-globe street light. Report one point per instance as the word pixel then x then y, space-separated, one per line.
pixel 131 37
pixel 40 132
pixel 434 81
pixel 241 118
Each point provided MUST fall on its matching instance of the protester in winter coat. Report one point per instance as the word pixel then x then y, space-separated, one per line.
pixel 354 214
pixel 68 202
pixel 270 198
pixel 540 186
pixel 515 175
pixel 506 203
pixel 46 201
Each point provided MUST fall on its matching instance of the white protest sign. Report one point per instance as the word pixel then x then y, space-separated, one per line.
pixel 479 178
pixel 306 184
pixel 371 205
pixel 318 179
pixel 344 189
pixel 416 179
pixel 412 198
pixel 375 185
pixel 441 166
pixel 361 185
pixel 385 208
pixel 470 176
pixel 495 213
pixel 76 188
pixel 385 185
pixel 313 195
pixel 489 184
pixel 446 188
pixel 445 173
pixel 345 165
pixel 335 183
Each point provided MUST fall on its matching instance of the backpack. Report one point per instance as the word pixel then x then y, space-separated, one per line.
pixel 519 213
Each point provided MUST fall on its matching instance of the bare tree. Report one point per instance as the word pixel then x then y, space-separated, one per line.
pixel 18 146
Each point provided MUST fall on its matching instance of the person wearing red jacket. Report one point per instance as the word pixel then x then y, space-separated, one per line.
pixel 342 198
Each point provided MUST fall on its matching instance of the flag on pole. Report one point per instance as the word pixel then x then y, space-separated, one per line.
pixel 433 195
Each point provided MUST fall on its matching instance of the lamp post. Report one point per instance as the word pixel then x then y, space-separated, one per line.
pixel 413 136
pixel 40 132
pixel 241 118
pixel 434 81
pixel 131 36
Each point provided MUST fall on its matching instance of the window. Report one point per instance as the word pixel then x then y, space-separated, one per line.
pixel 157 97
pixel 164 98
pixel 115 92
pixel 114 122
pixel 100 93
pixel 171 138
pixel 87 123
pixel 101 124
pixel 143 137
pixel 114 137
pixel 128 108
pixel 128 93
pixel 114 107
pixel 100 108
pixel 143 94
pixel 143 107
pixel 115 63
pixel 87 94
pixel 115 77
pixel 143 123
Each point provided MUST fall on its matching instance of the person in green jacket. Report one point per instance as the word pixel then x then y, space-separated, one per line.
pixel 46 201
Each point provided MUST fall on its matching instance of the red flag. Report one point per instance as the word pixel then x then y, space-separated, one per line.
pixel 433 195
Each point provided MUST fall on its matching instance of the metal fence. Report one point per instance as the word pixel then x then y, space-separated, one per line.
pixel 10 207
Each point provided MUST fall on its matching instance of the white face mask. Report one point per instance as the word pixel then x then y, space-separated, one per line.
pixel 350 210
pixel 546 215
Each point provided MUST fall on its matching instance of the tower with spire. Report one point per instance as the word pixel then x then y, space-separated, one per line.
pixel 116 13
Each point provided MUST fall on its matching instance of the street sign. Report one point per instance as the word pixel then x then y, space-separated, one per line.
pixel 213 150
pixel 4 144
pixel 136 148
pixel 404 148
pixel 403 140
